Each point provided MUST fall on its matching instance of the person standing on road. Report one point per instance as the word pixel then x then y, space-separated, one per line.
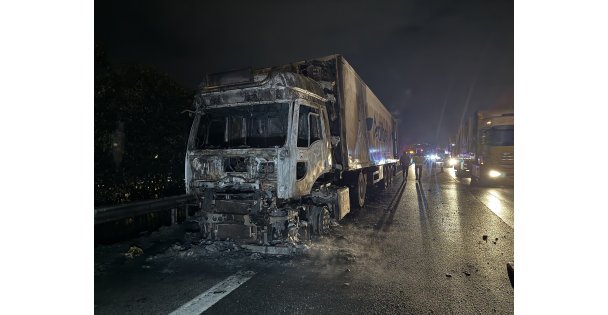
pixel 418 161
pixel 406 161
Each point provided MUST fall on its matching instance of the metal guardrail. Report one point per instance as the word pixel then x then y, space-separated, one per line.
pixel 108 214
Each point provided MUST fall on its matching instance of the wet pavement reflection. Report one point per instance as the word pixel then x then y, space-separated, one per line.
pixel 500 200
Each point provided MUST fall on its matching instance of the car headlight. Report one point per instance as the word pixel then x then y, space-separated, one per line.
pixel 452 162
pixel 494 173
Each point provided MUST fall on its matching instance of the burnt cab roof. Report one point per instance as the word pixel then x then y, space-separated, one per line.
pixel 263 85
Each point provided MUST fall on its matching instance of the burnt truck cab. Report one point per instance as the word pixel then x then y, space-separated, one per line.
pixel 259 142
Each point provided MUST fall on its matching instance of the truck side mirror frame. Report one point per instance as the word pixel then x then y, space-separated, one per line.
pixel 370 123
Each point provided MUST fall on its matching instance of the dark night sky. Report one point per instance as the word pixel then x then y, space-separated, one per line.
pixel 421 58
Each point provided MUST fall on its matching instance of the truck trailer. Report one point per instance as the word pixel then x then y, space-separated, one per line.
pixel 486 146
pixel 275 154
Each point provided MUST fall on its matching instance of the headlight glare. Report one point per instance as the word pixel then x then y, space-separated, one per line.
pixel 494 173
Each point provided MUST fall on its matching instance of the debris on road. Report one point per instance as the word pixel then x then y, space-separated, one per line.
pixel 485 238
pixel 347 270
pixel 192 238
pixel 212 248
pixel 448 275
pixel 274 250
pixel 188 253
pixel 466 273
pixel 177 247
pixel 134 251
pixel 346 284
pixel 255 256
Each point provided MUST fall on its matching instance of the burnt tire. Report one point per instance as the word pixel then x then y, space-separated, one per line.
pixel 192 226
pixel 359 191
pixel 320 220
pixel 324 221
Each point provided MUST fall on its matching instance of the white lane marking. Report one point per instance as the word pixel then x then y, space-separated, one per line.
pixel 206 299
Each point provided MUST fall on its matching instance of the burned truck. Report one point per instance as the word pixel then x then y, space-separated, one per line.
pixel 275 154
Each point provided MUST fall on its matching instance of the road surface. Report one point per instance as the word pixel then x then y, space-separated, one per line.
pixel 437 246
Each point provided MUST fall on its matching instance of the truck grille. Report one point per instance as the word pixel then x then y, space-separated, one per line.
pixel 236 164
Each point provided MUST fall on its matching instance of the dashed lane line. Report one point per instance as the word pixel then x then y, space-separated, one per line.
pixel 208 298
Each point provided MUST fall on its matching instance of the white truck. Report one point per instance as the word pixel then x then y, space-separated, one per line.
pixel 275 154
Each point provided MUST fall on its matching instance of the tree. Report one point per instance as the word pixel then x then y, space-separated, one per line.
pixel 140 132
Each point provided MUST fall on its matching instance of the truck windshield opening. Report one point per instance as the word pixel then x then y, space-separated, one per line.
pixel 498 136
pixel 257 126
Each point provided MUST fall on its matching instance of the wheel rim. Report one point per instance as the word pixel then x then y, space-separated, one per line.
pixel 362 186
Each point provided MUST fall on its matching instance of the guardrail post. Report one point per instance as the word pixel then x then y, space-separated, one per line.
pixel 173 216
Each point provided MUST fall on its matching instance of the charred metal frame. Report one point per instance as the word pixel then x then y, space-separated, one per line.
pixel 309 185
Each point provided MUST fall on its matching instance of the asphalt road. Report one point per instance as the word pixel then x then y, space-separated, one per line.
pixel 416 248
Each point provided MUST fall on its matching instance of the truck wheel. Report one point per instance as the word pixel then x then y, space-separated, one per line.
pixel 386 181
pixel 320 220
pixel 324 220
pixel 361 190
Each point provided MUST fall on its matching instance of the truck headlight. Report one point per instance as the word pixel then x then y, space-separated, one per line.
pixel 205 168
pixel 494 173
pixel 267 167
pixel 199 165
